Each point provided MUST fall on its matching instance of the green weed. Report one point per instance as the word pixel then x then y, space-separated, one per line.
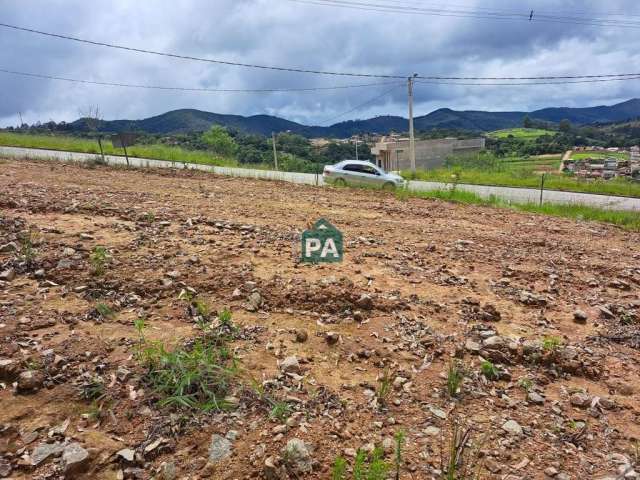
pixel 104 310
pixel 489 370
pixel 551 343
pixel 98 259
pixel 455 376
pixel 384 388
pixel 280 412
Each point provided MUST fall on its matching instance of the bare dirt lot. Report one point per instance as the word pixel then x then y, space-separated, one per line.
pixel 538 316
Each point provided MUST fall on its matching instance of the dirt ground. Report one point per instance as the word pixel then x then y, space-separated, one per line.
pixel 540 315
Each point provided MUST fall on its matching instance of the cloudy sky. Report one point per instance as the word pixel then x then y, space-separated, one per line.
pixel 289 33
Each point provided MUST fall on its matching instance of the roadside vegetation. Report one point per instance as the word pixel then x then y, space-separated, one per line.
pixel 489 169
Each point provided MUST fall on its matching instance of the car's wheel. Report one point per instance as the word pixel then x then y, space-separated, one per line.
pixel 340 182
pixel 388 186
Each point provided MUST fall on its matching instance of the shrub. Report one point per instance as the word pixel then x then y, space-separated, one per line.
pixel 489 370
pixel 455 376
pixel 98 259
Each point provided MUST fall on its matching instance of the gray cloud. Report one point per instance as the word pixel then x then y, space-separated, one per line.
pixel 280 32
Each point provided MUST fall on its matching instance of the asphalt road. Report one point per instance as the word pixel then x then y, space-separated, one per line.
pixel 510 194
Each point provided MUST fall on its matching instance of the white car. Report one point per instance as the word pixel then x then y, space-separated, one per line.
pixel 358 172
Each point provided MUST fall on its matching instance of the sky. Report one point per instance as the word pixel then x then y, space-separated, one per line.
pixel 309 36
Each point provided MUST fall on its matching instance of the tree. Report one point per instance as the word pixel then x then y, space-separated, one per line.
pixel 220 142
pixel 565 125
pixel 91 117
pixel 526 122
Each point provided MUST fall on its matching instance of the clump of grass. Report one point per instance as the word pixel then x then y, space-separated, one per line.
pixel 280 412
pixel 455 376
pixel 399 438
pixel 365 467
pixel 27 252
pixel 99 258
pixel 383 389
pixel 194 375
pixel 489 370
pixel 525 383
pixel 104 310
pixel 551 343
pixel 460 463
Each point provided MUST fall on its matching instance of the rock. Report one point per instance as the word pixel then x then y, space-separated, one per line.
pixel 273 471
pixel 605 312
pixel 331 338
pixel 432 431
pixel 365 302
pixel 8 369
pixel 9 247
pixel 388 445
pixel 86 236
pixel 581 400
pixel 350 452
pixel 490 313
pixel 8 275
pixel 398 382
pixel 297 456
pixel 535 398
pixel 44 451
pixel 562 476
pixel 254 302
pixel 494 341
pixel 301 336
pixel 5 468
pixel 74 458
pixel 512 427
pixel 127 454
pixel 30 381
pixel 68 252
pixel 168 471
pixel 123 374
pixel 551 471
pixel 472 346
pixel 438 413
pixel 290 365
pixel 237 293
pixel 580 317
pixel 491 465
pixel 219 449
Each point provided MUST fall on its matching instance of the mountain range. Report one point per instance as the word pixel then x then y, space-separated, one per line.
pixel 191 120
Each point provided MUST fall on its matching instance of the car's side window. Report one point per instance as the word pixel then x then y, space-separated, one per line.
pixel 350 167
pixel 369 170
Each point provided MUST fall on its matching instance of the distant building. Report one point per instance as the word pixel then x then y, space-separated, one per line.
pixel 635 154
pixel 392 152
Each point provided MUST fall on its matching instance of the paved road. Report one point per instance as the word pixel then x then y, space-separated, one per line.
pixel 510 194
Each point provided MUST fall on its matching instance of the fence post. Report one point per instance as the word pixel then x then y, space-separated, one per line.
pixel 541 188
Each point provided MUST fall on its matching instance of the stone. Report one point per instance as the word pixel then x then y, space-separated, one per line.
pixel 273 471
pixel 331 338
pixel 290 365
pixel 30 381
pixel 254 302
pixel 9 247
pixel 581 400
pixel 365 302
pixel 127 454
pixel 168 471
pixel 219 449
pixel 388 445
pixel 8 369
pixel 297 456
pixel 535 398
pixel 432 431
pixel 237 293
pixel 68 252
pixel 438 413
pixel 494 341
pixel 75 458
pixel 551 471
pixel 44 451
pixel 301 336
pixel 580 317
pixel 8 275
pixel 512 427
pixel 350 452
pixel 5 468
pixel 472 346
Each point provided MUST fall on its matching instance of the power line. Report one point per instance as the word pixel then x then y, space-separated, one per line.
pixel 187 89
pixel 487 14
pixel 358 107
pixel 310 71
pixel 509 84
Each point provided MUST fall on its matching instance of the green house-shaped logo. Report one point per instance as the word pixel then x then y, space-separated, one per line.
pixel 322 244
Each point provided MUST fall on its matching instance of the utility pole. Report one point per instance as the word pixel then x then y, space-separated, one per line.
pixel 275 152
pixel 21 122
pixel 356 148
pixel 412 140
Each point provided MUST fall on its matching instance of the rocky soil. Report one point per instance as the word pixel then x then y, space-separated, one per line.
pixel 540 317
